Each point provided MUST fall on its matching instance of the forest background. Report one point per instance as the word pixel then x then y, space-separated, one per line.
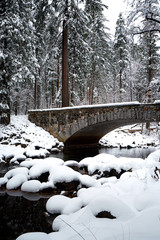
pixel 57 53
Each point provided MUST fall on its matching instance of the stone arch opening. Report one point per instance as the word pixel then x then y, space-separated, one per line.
pixel 89 136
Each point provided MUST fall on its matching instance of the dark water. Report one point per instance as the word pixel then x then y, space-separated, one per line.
pixel 22 212
pixel 123 152
pixel 19 215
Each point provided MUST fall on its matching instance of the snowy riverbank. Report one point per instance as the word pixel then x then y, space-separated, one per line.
pixel 133 136
pixel 102 197
pixel 22 139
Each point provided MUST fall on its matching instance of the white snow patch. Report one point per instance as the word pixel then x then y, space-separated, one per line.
pixel 132 136
pixel 43 166
pixel 36 153
pixel 115 206
pixel 16 181
pixel 21 170
pixel 63 174
pixel 63 205
pixel 31 186
pixel 106 162
pixel 88 181
pixel 34 236
pixel 90 106
pixel 22 137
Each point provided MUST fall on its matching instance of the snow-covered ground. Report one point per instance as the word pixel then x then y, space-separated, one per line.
pixel 133 136
pixel 22 139
pixel 101 197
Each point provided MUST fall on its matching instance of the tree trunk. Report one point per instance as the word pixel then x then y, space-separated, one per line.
pixel 58 75
pixel 65 91
pixel 149 68
pixel 72 89
pixel 131 83
pixel 35 93
pixel 120 79
pixel 120 86
pixel 149 74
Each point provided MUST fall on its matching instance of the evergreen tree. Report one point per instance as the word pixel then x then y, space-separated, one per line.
pixel 149 70
pixel 78 50
pixel 65 19
pixel 4 62
pixel 148 10
pixel 24 71
pixel 49 55
pixel 39 16
pixel 76 46
pixel 121 56
pixel 97 39
pixel 135 53
pixel 17 44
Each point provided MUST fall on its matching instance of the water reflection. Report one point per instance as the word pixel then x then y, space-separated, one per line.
pixel 131 153
pixel 20 215
pixel 79 154
pixel 5 167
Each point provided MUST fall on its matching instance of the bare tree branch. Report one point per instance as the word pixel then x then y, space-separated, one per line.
pixel 153 19
pixel 146 31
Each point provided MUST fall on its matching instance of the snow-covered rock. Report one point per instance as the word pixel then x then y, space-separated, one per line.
pixel 63 205
pixel 41 153
pixel 16 181
pixel 34 236
pixel 112 205
pixel 31 186
pixel 106 162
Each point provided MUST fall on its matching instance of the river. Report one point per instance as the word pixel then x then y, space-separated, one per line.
pixel 21 212
pixel 123 152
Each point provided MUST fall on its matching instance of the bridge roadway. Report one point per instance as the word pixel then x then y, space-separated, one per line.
pixel 83 126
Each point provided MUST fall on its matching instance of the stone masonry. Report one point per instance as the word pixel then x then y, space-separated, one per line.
pixel 83 126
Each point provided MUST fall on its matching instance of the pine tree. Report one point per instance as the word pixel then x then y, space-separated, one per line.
pixel 149 70
pixel 121 56
pixel 4 64
pixel 64 16
pixel 148 10
pixel 78 50
pixel 24 46
pixel 97 39
pixel 49 54
pixel 17 44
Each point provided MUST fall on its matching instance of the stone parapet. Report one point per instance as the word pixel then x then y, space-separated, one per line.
pixel 85 125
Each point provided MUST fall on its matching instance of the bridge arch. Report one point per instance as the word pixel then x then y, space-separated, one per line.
pixel 83 126
pixel 89 136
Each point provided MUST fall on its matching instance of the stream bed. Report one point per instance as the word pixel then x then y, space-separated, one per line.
pixel 22 212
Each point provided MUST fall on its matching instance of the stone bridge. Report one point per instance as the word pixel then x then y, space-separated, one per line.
pixel 83 126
